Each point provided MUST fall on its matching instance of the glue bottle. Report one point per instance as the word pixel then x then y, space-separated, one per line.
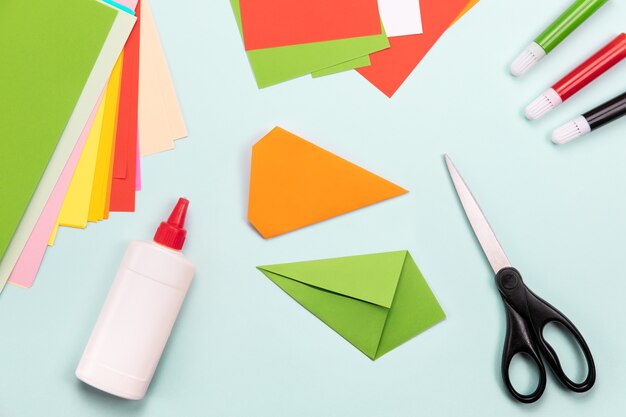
pixel 139 312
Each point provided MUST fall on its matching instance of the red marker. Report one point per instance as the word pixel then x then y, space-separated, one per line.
pixel 579 78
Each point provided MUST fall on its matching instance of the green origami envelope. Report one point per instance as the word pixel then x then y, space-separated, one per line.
pixel 376 302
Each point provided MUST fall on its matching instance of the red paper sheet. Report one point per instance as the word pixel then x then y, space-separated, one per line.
pixel 392 66
pixel 124 179
pixel 272 23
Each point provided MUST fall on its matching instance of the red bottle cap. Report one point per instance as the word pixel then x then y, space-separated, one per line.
pixel 172 233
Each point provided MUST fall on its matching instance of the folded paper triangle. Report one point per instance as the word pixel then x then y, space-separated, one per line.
pixel 376 302
pixel 294 183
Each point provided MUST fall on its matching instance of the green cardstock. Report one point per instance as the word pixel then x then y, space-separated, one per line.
pixel 376 302
pixel 48 51
pixel 275 65
pixel 360 62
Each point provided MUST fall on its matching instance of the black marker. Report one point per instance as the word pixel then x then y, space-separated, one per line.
pixel 590 121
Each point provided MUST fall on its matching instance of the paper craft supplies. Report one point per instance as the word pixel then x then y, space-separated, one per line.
pixel 125 158
pixel 101 185
pixel 101 173
pixel 274 23
pixel 28 262
pixel 376 302
pixel 285 40
pixel 391 67
pixel 275 65
pixel 554 34
pixel 75 209
pixel 33 117
pixel 160 118
pixel 83 40
pixel 294 183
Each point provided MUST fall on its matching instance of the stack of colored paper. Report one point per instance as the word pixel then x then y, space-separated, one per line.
pixel 384 40
pixel 77 112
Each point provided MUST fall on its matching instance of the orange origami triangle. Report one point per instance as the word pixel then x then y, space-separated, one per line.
pixel 294 183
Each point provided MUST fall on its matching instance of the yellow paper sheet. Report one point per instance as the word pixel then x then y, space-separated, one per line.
pixel 109 179
pixel 102 177
pixel 159 118
pixel 75 209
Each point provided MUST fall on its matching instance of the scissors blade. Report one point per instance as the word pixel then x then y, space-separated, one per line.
pixel 487 239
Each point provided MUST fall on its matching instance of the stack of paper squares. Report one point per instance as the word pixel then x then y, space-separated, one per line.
pixel 384 40
pixel 92 95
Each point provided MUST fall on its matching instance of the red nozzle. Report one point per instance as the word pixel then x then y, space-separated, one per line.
pixel 172 233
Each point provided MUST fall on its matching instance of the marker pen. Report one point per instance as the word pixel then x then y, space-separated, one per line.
pixel 579 77
pixel 560 29
pixel 592 120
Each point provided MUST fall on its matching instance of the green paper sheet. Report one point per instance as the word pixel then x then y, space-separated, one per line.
pixel 376 302
pixel 360 62
pixel 48 51
pixel 275 65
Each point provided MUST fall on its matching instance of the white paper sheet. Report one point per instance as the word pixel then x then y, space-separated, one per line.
pixel 401 17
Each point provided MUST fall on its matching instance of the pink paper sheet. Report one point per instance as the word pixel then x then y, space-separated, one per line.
pixel 27 265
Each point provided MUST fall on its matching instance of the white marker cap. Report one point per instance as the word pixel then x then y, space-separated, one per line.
pixel 527 59
pixel 571 130
pixel 543 104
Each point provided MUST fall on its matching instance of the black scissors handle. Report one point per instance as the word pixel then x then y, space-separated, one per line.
pixel 527 316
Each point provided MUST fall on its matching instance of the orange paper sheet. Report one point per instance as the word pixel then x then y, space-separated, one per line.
pixel 466 9
pixel 294 183
pixel 391 67
pixel 274 23
pixel 98 207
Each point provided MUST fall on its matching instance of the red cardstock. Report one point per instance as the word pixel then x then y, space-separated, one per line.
pixel 273 23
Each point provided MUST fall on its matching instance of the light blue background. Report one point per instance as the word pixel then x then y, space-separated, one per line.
pixel 241 346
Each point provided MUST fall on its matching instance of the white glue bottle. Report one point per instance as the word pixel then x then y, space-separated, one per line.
pixel 139 312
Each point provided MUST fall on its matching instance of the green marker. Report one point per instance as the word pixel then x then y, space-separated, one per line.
pixel 560 29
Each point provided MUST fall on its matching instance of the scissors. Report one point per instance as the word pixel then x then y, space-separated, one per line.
pixel 527 314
